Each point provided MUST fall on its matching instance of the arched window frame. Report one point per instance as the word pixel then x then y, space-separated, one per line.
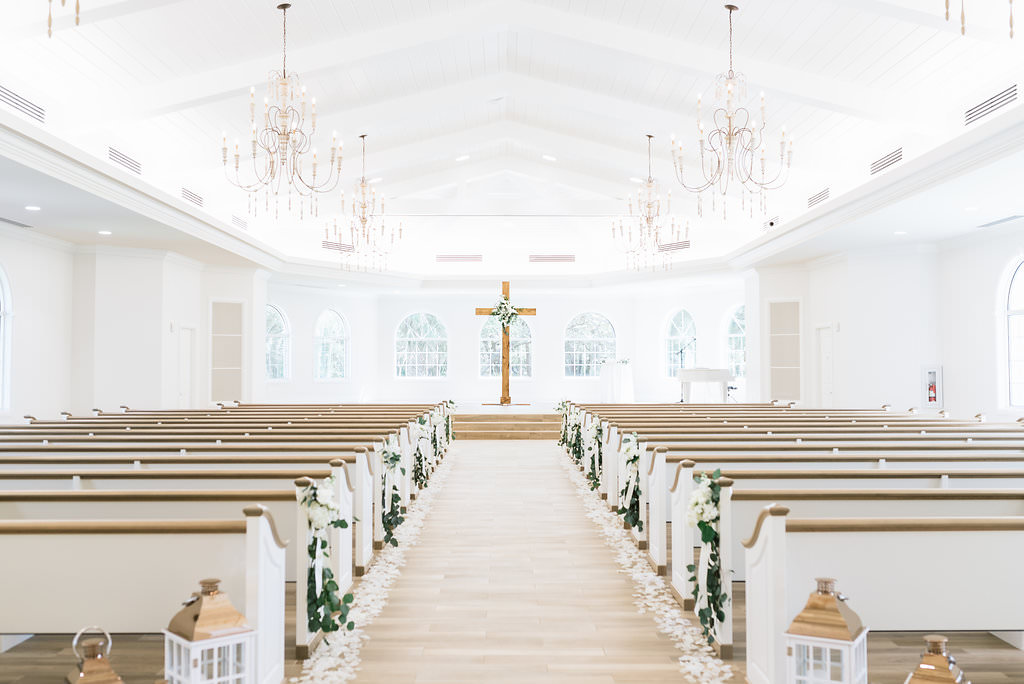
pixel 282 338
pixel 1015 337
pixel 334 346
pixel 6 326
pixel 680 335
pixel 520 349
pixel 584 355
pixel 736 342
pixel 421 356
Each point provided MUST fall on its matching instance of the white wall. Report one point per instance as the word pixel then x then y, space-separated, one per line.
pixel 39 272
pixel 974 275
pixel 640 321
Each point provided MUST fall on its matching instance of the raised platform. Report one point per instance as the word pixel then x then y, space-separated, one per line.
pixel 507 425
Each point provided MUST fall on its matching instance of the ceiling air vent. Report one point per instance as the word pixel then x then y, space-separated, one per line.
pixel 773 222
pixel 997 101
pixel 192 197
pixel 815 200
pixel 122 159
pixel 552 258
pixel 12 222
pixel 239 222
pixel 674 246
pixel 459 258
pixel 26 107
pixel 1005 219
pixel 337 246
pixel 888 160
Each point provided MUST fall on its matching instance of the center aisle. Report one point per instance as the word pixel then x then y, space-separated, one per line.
pixel 511 582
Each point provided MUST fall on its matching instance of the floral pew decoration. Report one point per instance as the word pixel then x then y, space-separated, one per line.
pixel 391 497
pixel 710 597
pixel 325 610
pixel 630 510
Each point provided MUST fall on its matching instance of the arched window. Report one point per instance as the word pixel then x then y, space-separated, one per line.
pixel 737 343
pixel 421 347
pixel 681 345
pixel 278 344
pixel 520 349
pixel 331 346
pixel 5 343
pixel 1015 332
pixel 589 341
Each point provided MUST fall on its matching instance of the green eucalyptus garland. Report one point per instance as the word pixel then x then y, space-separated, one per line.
pixel 391 499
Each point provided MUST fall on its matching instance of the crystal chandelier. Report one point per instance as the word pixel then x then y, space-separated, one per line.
pixel 370 237
pixel 643 233
pixel 282 150
pixel 735 149
pixel 78 15
pixel 963 18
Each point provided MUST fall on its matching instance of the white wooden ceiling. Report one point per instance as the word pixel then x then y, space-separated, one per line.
pixel 506 83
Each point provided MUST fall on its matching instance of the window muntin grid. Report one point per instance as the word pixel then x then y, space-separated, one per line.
pixel 736 341
pixel 589 341
pixel 278 343
pixel 330 346
pixel 520 349
pixel 682 337
pixel 421 347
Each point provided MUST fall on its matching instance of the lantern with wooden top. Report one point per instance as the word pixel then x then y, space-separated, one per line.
pixel 93 662
pixel 937 666
pixel 826 642
pixel 209 641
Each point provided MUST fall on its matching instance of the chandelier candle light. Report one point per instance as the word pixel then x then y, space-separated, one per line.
pixel 963 17
pixel 282 150
pixel 646 228
pixel 370 237
pixel 78 15
pixel 735 148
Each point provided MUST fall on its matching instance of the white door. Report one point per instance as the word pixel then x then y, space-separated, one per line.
pixel 186 345
pixel 823 344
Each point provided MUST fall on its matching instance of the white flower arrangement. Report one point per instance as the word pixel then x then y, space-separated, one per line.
pixel 321 508
pixel 506 313
pixel 701 507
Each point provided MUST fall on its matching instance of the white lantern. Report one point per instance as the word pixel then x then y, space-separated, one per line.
pixel 209 641
pixel 826 643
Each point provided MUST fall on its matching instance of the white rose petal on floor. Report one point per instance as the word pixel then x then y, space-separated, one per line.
pixel 651 594
pixel 337 659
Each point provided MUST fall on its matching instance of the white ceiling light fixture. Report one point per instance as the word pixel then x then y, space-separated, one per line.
pixel 282 151
pixel 78 15
pixel 734 149
pixel 548 157
pixel 370 237
pixel 963 17
pixel 462 158
pixel 32 207
pixel 104 232
pixel 640 235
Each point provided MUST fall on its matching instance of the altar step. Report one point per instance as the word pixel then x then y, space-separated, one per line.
pixel 500 426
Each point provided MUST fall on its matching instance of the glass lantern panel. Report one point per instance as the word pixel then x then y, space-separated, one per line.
pixel 208 664
pixel 836 669
pixel 801 660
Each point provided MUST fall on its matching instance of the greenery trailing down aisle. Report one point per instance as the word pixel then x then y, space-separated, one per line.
pixel 631 489
pixel 325 610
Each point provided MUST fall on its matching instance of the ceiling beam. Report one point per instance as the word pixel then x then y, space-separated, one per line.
pixel 334 55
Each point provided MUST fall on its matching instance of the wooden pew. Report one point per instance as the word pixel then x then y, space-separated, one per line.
pixel 132 575
pixel 740 510
pixel 900 574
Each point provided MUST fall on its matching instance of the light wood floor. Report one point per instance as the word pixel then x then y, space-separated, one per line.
pixel 511 583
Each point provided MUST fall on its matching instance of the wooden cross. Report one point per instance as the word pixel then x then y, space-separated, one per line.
pixel 506 398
